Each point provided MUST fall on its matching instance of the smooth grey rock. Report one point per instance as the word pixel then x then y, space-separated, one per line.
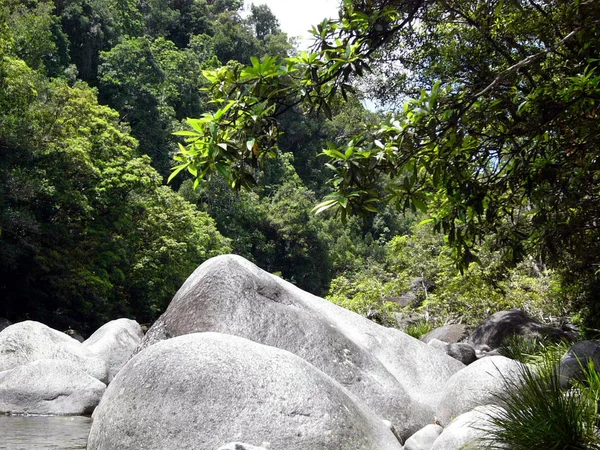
pixel 477 384
pixel 437 344
pixel 4 323
pixel 424 438
pixel 495 329
pixel 462 352
pixel 203 389
pixel 29 341
pixel 397 376
pixel 115 343
pixel 470 430
pixel 240 446
pixel 448 333
pixel 576 359
pixel 49 386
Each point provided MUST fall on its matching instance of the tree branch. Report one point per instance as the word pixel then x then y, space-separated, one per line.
pixel 526 62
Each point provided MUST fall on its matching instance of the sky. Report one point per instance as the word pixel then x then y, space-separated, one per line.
pixel 297 16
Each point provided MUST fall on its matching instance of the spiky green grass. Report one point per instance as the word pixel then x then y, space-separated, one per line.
pixel 418 329
pixel 537 414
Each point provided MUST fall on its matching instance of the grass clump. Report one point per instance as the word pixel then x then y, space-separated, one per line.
pixel 537 414
pixel 418 329
pixel 533 351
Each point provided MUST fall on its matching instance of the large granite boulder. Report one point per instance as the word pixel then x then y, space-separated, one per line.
pixel 49 386
pixel 495 329
pixel 115 343
pixel 397 376
pixel 448 333
pixel 203 389
pixel 29 341
pixel 577 359
pixel 477 384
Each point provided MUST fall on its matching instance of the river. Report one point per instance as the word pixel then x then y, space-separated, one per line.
pixel 43 432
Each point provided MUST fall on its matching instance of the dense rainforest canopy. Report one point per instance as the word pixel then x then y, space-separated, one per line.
pixel 488 134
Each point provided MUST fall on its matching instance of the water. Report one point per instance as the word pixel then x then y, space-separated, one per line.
pixel 42 432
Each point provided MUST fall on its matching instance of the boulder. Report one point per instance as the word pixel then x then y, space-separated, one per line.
pixel 4 323
pixel 467 431
pixel 437 344
pixel 49 386
pixel 462 352
pixel 449 333
pixel 203 389
pixel 115 343
pixel 29 341
pixel 424 438
pixel 397 376
pixel 477 384
pixel 495 329
pixel 572 364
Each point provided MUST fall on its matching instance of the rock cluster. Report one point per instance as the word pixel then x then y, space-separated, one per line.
pixel 243 360
pixel 45 371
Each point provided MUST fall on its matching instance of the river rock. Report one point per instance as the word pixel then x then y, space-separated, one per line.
pixel 115 342
pixel 467 431
pixel 495 329
pixel 424 438
pixel 29 341
pixel 462 352
pixel 394 374
pixel 203 389
pixel 477 384
pixel 449 333
pixel 49 386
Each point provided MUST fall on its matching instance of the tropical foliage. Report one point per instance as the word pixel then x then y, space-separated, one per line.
pixel 497 135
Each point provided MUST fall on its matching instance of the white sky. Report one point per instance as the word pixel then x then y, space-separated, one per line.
pixel 297 16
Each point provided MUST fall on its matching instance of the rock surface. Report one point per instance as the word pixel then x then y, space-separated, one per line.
pixel 115 343
pixel 577 358
pixel 203 389
pixel 424 438
pixel 448 333
pixel 49 386
pixel 394 374
pixel 29 341
pixel 462 352
pixel 495 329
pixel 475 385
pixel 240 446
pixel 437 344
pixel 467 431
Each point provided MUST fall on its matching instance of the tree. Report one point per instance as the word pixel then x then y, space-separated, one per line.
pixel 88 231
pixel 263 21
pixel 153 84
pixel 501 139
